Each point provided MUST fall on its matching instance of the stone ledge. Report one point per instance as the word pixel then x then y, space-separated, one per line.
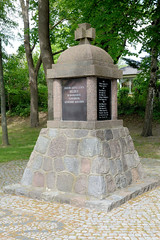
pixel 85 124
pixel 113 201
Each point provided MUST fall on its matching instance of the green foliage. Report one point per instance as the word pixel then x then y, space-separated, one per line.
pixel 125 102
pixel 42 97
pixel 17 85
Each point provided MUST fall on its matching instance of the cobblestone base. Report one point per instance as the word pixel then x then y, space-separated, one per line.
pixel 91 163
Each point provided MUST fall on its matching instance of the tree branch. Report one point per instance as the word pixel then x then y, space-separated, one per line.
pixel 57 24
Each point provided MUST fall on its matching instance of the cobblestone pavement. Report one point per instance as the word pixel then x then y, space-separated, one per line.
pixel 23 218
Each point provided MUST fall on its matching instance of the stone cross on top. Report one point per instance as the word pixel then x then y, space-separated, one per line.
pixel 85 33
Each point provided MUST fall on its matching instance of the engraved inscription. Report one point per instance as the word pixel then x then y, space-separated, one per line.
pixel 74 99
pixel 103 99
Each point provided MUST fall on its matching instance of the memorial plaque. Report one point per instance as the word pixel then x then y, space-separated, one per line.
pixel 74 99
pixel 103 99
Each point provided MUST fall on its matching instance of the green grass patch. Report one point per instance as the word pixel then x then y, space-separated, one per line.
pixel 22 140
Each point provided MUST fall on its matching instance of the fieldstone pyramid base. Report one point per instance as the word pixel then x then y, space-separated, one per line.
pixel 81 162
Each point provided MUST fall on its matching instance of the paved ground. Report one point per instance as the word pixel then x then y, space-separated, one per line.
pixel 23 218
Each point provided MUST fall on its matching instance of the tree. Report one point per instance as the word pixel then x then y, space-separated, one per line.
pixel 45 47
pixel 33 70
pixel 5 140
pixel 151 36
pixel 5 23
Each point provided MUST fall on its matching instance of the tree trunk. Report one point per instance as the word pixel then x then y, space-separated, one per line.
pixel 34 119
pixel 147 126
pixel 46 51
pixel 3 104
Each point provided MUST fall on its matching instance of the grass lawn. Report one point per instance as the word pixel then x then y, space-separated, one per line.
pixel 147 147
pixel 22 139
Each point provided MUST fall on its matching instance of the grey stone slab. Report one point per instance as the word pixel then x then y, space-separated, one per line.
pixel 100 165
pixel 128 175
pixel 50 180
pixel 65 182
pixel 96 186
pixel 57 147
pixel 27 177
pixel 108 134
pixel 47 164
pixel 81 185
pixel 110 184
pixel 72 147
pixel 59 164
pixel 121 181
pixel 119 165
pixel 42 144
pixel 113 167
pixel 90 147
pixel 52 133
pixel 106 150
pixel 72 164
pixel 37 162
pixel 80 133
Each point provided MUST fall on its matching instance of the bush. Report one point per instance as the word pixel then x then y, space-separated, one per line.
pixel 125 102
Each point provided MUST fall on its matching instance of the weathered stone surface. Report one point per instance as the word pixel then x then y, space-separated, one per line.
pixel 31 159
pixel 37 163
pixel 126 131
pixel 52 133
pixel 119 165
pixel 57 147
pixel 81 184
pixel 50 180
pixel 141 171
pixel 100 134
pixel 72 147
pixel 113 167
pixel 96 186
pixel 128 175
pixel 106 150
pixel 100 165
pixel 80 133
pixel 69 133
pixel 38 179
pixel 90 147
pixel 27 177
pixel 122 132
pixel 65 182
pixel 115 132
pixel 85 165
pixel 115 148
pixel 42 144
pixel 130 143
pixel 121 181
pixel 123 145
pixel 108 134
pixel 130 160
pixel 44 131
pixel 124 163
pixel 135 175
pixel 58 164
pixel 47 164
pixel 110 184
pixel 72 164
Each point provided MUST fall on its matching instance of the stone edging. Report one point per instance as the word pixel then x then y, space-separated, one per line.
pixel 113 201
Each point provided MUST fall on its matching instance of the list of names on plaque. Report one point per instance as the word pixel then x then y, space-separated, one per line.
pixel 103 99
pixel 74 99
